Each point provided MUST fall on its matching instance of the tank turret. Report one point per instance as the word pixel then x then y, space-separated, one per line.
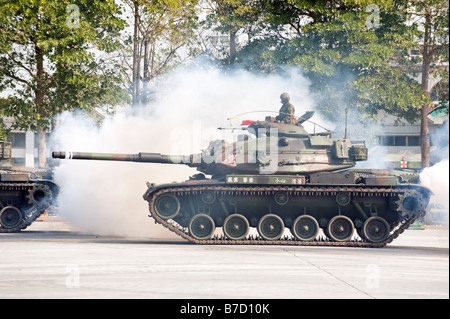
pixel 277 148
pixel 277 176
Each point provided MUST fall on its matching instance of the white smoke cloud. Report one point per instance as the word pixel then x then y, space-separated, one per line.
pixel 436 178
pixel 105 198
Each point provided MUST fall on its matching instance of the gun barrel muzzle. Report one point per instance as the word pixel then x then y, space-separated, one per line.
pixel 56 154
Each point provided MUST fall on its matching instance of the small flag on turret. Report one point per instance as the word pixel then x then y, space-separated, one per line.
pixel 247 122
pixel 403 163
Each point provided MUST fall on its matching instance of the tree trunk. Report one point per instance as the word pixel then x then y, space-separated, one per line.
pixel 39 102
pixel 146 76
pixel 42 149
pixel 233 49
pixel 426 61
pixel 136 57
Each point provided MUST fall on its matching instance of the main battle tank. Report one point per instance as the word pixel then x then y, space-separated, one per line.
pixel 281 177
pixel 25 194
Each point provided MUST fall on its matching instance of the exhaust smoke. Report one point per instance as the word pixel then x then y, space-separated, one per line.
pixel 105 198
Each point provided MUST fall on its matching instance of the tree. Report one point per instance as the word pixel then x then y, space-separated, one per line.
pixel 352 51
pixel 431 17
pixel 50 59
pixel 160 30
pixel 230 17
pixel 4 131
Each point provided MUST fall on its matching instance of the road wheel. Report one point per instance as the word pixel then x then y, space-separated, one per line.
pixel 167 206
pixel 376 229
pixel 236 227
pixel 10 217
pixel 271 227
pixel 201 227
pixel 340 228
pixel 305 228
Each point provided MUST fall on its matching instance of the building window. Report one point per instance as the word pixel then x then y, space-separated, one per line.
pixel 398 140
pixel 413 141
pixel 387 140
pixel 17 140
pixel 18 161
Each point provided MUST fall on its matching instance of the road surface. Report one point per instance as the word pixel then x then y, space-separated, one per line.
pixel 53 260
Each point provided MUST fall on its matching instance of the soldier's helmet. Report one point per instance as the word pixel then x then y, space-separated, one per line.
pixel 285 97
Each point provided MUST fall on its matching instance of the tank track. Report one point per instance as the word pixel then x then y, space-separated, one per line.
pixel 257 240
pixel 31 214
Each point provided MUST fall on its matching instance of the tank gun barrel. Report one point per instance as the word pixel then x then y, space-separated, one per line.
pixel 140 157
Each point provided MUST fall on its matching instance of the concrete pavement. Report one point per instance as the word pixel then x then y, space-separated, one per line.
pixel 54 260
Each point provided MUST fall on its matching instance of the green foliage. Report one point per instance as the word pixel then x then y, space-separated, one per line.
pixel 354 52
pixel 231 15
pixel 437 45
pixel 4 130
pixel 54 54
pixel 162 29
pixel 165 27
pixel 49 57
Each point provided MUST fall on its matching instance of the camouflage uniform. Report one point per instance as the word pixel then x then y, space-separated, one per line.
pixel 287 110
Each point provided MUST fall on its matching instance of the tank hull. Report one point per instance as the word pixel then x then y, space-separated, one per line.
pixel 378 210
pixel 23 200
pixel 25 193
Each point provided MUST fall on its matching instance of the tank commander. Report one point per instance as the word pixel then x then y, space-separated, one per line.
pixel 287 110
